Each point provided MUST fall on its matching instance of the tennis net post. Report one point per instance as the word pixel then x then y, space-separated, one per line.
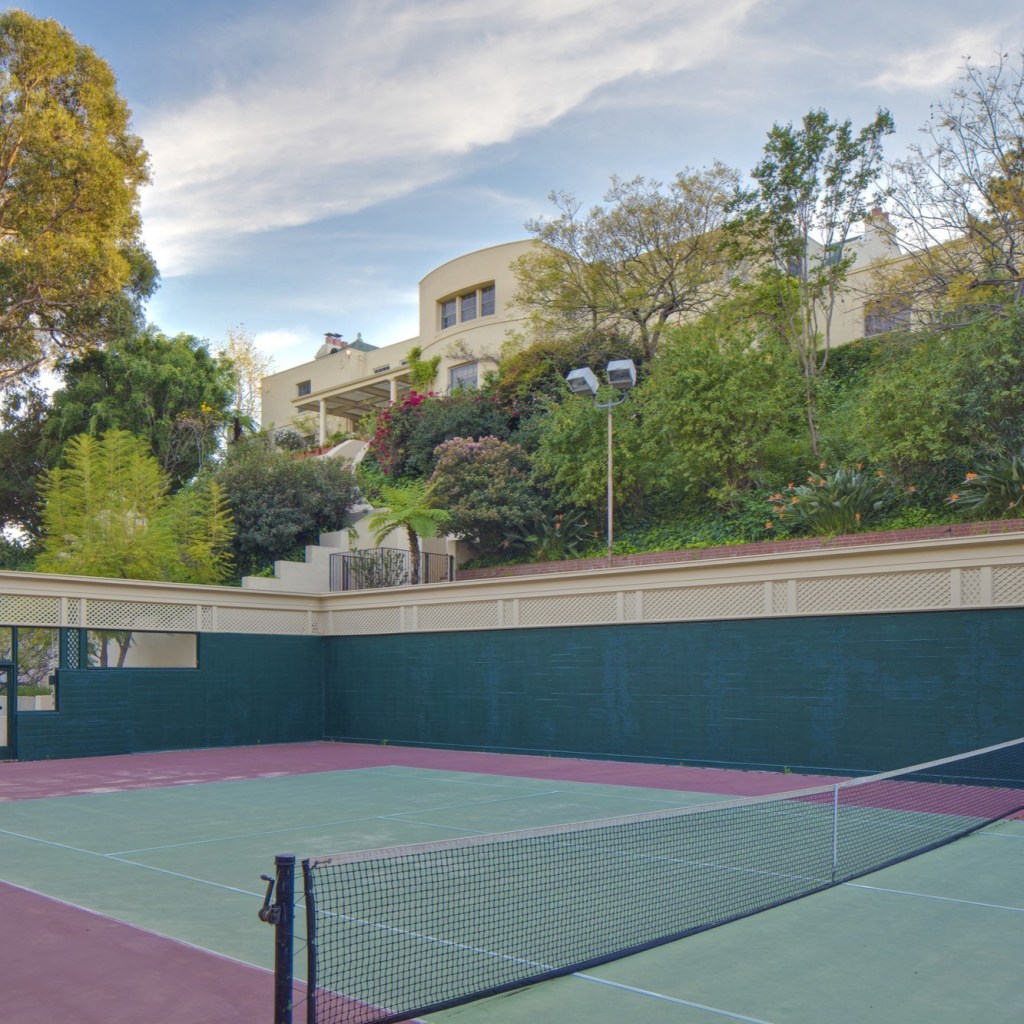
pixel 281 914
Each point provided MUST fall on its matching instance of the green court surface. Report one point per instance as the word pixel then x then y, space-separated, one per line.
pixel 939 938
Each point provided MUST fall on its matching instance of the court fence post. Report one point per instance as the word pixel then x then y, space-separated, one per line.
pixel 282 916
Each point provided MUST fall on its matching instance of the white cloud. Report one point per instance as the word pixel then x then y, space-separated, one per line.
pixel 283 346
pixel 937 65
pixel 368 101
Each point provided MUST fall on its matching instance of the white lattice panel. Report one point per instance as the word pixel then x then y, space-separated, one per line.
pixel 469 615
pixel 320 623
pixel 73 606
pixel 1008 584
pixel 366 620
pixel 206 618
pixel 970 586
pixel 734 600
pixel 266 621
pixel 571 609
pixel 139 615
pixel 630 606
pixel 27 610
pixel 780 597
pixel 877 592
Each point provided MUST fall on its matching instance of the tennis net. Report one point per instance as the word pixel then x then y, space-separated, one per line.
pixel 396 933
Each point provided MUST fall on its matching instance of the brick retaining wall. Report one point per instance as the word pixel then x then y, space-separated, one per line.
pixel 770 547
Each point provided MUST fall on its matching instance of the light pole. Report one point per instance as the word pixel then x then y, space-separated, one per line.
pixel 622 376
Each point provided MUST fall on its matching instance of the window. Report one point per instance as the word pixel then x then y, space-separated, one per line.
pixel 304 387
pixel 467 306
pixel 115 648
pixel 464 376
pixel 880 319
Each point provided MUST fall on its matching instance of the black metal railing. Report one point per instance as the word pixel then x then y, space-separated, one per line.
pixel 387 567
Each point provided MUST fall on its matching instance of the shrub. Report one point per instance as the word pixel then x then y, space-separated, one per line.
pixel 486 487
pixel 996 489
pixel 829 505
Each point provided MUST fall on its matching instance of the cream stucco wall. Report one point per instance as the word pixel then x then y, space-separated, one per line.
pixel 345 385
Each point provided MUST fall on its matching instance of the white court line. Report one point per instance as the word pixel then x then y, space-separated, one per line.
pixel 128 863
pixel 929 896
pixel 138 927
pixel 671 999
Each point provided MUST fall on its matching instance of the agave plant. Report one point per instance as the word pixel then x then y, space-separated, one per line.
pixel 996 489
pixel 828 505
pixel 553 537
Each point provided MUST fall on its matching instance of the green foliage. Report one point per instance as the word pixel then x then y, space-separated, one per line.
pixel 107 514
pixel 792 228
pixel 935 403
pixel 570 461
pixel 637 263
pixel 73 270
pixel 22 415
pixel 421 371
pixel 720 409
pixel 102 512
pixel 996 489
pixel 530 374
pixel 407 433
pixel 410 507
pixel 487 489
pixel 278 503
pixel 552 537
pixel 200 519
pixel 170 391
pixel 15 555
pixel 844 502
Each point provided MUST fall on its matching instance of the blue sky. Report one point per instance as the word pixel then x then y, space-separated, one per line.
pixel 313 159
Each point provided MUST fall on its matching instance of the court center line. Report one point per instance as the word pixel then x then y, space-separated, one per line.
pixel 670 999
pixel 929 896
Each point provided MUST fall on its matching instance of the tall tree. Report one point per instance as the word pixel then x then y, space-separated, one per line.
pixel 810 191
pixel 73 269
pixel 250 366
pixel 649 256
pixel 958 197
pixel 171 391
pixel 22 415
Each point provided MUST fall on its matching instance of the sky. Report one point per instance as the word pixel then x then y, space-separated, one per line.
pixel 312 160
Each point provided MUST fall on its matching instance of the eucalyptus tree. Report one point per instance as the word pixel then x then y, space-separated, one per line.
pixel 73 270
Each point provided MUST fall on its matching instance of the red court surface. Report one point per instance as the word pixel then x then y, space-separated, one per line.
pixel 29 780
pixel 60 963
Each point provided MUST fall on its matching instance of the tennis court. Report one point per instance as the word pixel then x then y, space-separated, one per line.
pixel 131 886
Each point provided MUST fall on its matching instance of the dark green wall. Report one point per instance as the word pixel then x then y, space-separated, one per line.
pixel 841 693
pixel 845 693
pixel 246 690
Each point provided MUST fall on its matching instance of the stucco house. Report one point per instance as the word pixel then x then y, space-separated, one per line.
pixel 466 313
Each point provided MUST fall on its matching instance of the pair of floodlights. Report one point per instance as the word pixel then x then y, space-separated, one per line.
pixel 621 375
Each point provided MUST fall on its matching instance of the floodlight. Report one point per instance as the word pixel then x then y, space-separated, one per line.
pixel 582 381
pixel 621 374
